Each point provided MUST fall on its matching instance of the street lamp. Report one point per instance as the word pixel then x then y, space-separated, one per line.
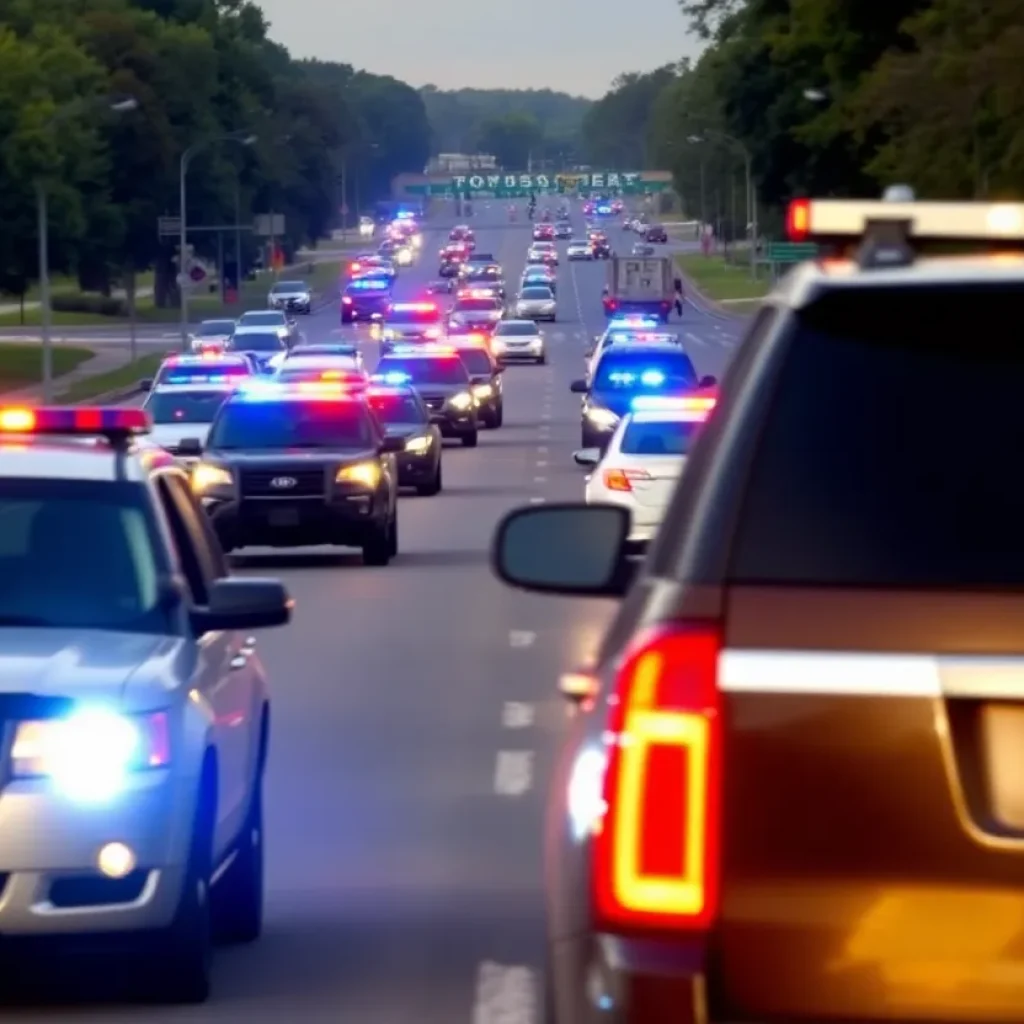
pixel 244 139
pixel 114 106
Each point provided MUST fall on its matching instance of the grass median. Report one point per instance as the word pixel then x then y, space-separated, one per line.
pixel 21 366
pixel 123 377
pixel 722 281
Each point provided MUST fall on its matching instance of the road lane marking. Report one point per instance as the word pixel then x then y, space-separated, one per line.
pixel 513 772
pixel 541 463
pixel 521 638
pixel 537 501
pixel 542 448
pixel 695 339
pixel 517 715
pixel 540 479
pixel 505 994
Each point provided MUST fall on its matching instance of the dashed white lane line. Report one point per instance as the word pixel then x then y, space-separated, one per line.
pixel 521 638
pixel 540 479
pixel 695 339
pixel 513 772
pixel 517 715
pixel 505 994
pixel 541 463
pixel 542 449
pixel 537 501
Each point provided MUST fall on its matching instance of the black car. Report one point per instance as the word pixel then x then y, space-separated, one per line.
pixel 449 268
pixel 443 382
pixel 365 298
pixel 260 346
pixel 402 413
pixel 485 374
pixel 563 231
pixel 656 233
pixel 626 372
pixel 286 468
pixel 487 276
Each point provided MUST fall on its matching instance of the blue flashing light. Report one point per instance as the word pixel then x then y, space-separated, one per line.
pixel 394 378
pixel 370 284
pixel 652 378
pixel 635 320
pixel 204 378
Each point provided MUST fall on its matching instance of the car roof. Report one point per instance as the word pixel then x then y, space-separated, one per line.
pixel 204 388
pixel 71 458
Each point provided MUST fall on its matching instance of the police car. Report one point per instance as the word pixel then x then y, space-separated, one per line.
pixel 135 708
pixel 402 413
pixel 629 330
pixel 644 458
pixel 366 298
pixel 295 464
pixel 407 322
pixel 211 367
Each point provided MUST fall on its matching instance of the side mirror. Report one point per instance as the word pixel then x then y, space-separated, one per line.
pixel 392 445
pixel 579 387
pixel 146 384
pixel 708 381
pixel 570 548
pixel 587 457
pixel 190 447
pixel 249 603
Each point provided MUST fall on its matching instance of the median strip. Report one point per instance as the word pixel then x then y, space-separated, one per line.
pixel 21 366
pixel 113 385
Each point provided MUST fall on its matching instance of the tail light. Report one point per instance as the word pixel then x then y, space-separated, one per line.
pixel 346 300
pixel 657 850
pixel 619 479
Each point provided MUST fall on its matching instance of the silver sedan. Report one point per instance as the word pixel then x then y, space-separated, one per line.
pixel 537 303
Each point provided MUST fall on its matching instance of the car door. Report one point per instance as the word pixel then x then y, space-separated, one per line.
pixel 224 675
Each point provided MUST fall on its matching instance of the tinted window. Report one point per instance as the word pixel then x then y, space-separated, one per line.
pixel 658 438
pixel 186 407
pixel 426 371
pixel 323 350
pixel 262 320
pixel 890 454
pixel 476 360
pixel 62 539
pixel 650 371
pixel 523 330
pixel 414 316
pixel 290 286
pixel 536 293
pixel 397 409
pixel 216 329
pixel 477 305
pixel 292 424
pixel 257 341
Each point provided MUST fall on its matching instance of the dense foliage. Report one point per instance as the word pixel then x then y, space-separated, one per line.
pixel 830 97
pixel 198 70
pixel 515 125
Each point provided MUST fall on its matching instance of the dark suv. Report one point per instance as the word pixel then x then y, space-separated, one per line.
pixel 792 790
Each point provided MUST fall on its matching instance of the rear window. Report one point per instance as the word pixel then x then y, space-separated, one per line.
pixel 540 294
pixel 654 438
pixel 891 452
pixel 257 341
pixel 517 328
pixel 441 371
pixel 477 305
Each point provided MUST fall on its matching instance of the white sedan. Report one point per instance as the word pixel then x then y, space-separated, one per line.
pixel 579 249
pixel 515 340
pixel 644 459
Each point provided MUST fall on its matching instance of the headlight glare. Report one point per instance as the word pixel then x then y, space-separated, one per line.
pixel 483 391
pixel 366 474
pixel 602 417
pixel 206 477
pixel 418 445
pixel 463 400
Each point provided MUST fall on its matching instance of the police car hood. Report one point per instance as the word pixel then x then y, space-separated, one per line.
pixel 403 429
pixel 614 401
pixel 170 435
pixel 428 391
pixel 86 664
pixel 284 459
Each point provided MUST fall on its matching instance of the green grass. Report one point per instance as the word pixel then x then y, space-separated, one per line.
pixel 21 366
pixel 113 380
pixel 722 281
pixel 60 284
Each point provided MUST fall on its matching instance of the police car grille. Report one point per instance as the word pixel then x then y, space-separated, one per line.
pixel 434 404
pixel 260 483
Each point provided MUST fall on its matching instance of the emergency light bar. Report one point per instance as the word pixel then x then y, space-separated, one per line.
pixel 112 423
pixel 702 404
pixel 424 349
pixel 369 284
pixel 415 307
pixel 393 378
pixel 635 320
pixel 205 358
pixel 809 220
pixel 265 390
pixel 649 378
pixel 206 378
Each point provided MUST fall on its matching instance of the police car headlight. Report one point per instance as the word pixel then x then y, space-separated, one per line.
pixel 497 345
pixel 417 241
pixel 462 401
pixel 418 445
pixel 403 257
pixel 206 477
pixel 483 391
pixel 602 417
pixel 389 335
pixel 365 474
pixel 90 754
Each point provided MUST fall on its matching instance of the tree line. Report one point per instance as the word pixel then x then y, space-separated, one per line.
pixel 99 99
pixel 519 127
pixel 828 98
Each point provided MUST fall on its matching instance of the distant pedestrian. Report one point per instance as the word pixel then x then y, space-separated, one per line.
pixel 678 285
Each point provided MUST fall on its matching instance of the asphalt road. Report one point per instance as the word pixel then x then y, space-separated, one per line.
pixel 415 723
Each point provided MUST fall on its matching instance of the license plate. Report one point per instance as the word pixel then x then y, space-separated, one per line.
pixel 284 517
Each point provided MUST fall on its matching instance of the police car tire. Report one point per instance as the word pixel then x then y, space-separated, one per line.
pixel 434 487
pixel 377 548
pixel 393 535
pixel 238 895
pixel 470 440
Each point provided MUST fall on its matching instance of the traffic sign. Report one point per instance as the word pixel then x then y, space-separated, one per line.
pixel 197 274
pixel 790 252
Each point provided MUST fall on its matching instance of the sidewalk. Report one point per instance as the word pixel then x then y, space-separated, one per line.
pixel 105 360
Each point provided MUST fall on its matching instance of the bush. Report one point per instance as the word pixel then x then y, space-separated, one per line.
pixel 99 305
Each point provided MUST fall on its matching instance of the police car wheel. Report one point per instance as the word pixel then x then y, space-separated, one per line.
pixel 542 361
pixel 470 440
pixel 393 536
pixel 499 417
pixel 377 549
pixel 434 487
pixel 181 969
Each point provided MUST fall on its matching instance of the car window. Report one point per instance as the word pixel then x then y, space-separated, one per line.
pixel 476 360
pixel 277 425
pixel 402 409
pixel 62 539
pixel 477 305
pixel 536 293
pixel 169 407
pixel 658 438
pixel 262 319
pixel 889 453
pixel 257 341
pixel 523 330
pixel 424 371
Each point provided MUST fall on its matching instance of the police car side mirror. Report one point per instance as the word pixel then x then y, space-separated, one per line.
pixel 587 456
pixel 708 382
pixel 190 447
pixel 579 387
pixel 146 384
pixel 250 603
pixel 392 445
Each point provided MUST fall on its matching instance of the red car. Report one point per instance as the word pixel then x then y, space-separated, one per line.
pixel 544 233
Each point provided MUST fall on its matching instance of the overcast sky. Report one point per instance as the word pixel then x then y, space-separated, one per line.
pixel 575 46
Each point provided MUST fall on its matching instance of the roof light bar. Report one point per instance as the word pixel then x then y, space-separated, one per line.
pixel 702 404
pixel 414 307
pixel 95 421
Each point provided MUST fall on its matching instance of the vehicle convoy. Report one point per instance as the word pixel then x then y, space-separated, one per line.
pixel 136 710
pixel 790 791
pixel 640 284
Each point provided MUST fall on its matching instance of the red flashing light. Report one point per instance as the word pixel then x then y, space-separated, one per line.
pixel 798 220
pixel 657 850
pixel 83 422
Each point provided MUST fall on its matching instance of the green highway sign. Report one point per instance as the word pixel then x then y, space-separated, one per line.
pixel 501 185
pixel 790 252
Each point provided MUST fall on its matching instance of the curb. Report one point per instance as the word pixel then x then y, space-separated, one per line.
pixel 703 303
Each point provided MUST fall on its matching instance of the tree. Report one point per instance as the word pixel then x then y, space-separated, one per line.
pixel 513 140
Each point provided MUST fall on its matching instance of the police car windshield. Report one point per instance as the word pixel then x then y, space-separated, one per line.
pixel 268 319
pixel 201 373
pixel 291 423
pixel 414 316
pixel 63 539
pixel 216 329
pixel 395 409
pixel 443 370
pixel 289 287
pixel 536 293
pixel 168 407
pixel 477 305
pixel 645 371
pixel 520 329
pixel 476 361
pixel 484 274
pixel 654 438
pixel 258 341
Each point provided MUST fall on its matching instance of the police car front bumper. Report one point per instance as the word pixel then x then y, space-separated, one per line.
pixel 454 422
pixel 50 882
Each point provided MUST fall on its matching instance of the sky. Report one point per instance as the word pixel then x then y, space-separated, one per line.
pixel 574 46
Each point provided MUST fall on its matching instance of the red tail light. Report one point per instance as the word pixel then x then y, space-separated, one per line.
pixel 798 220
pixel 657 850
pixel 619 479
